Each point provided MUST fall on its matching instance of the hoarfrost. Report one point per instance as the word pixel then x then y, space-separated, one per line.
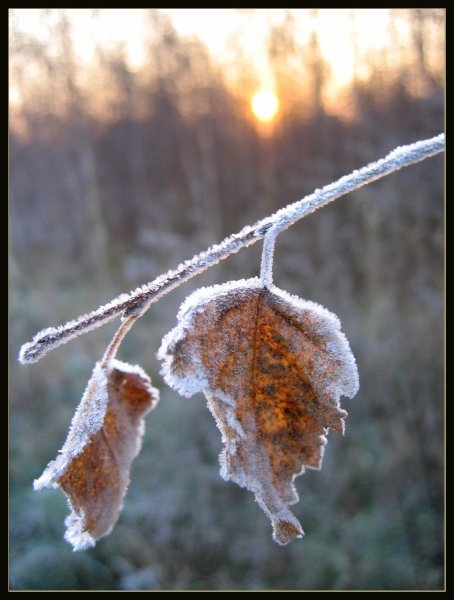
pixel 327 325
pixel 272 367
pixel 194 304
pixel 87 420
pixel 105 436
pixel 75 532
pixel 139 300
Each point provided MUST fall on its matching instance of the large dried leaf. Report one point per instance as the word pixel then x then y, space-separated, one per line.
pixel 273 368
pixel 93 466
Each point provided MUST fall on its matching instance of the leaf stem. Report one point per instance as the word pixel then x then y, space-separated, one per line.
pixel 137 302
pixel 112 348
pixel 266 267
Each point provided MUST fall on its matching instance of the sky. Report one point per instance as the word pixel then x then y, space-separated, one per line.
pixel 216 26
pixel 351 41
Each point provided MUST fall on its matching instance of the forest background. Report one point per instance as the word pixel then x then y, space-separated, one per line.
pixel 118 172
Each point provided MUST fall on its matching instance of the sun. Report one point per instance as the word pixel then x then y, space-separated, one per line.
pixel 265 105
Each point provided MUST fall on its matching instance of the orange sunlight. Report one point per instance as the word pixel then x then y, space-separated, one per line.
pixel 265 105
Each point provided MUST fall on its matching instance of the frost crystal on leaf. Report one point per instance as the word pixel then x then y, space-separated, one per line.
pixel 105 436
pixel 273 368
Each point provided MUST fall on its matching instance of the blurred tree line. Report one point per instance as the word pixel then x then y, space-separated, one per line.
pixel 116 175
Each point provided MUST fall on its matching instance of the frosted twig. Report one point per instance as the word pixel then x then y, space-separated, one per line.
pixel 137 302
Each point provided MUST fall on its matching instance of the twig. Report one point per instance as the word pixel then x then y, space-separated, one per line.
pixel 137 302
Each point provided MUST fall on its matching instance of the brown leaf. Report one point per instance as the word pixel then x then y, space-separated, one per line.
pixel 273 368
pixel 105 436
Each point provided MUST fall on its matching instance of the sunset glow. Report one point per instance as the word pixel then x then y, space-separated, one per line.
pixel 265 105
pixel 328 48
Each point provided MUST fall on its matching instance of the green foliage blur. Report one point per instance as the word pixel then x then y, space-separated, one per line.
pixel 102 201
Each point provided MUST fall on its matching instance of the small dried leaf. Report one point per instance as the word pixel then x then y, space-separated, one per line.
pixel 273 368
pixel 105 436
